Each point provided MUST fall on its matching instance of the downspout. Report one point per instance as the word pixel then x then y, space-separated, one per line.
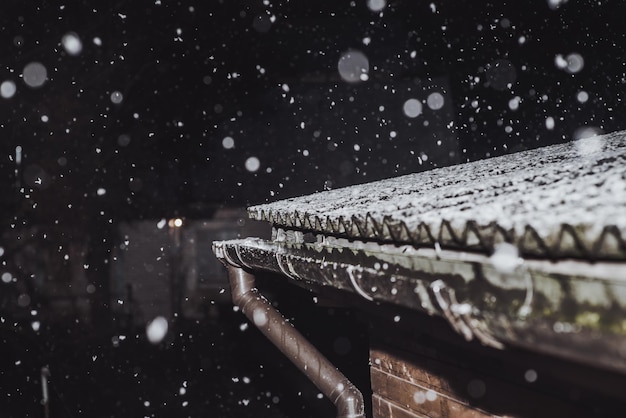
pixel 330 381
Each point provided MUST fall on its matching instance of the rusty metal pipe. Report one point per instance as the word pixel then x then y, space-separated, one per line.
pixel 330 381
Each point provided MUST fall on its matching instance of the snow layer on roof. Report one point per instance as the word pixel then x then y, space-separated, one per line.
pixel 566 200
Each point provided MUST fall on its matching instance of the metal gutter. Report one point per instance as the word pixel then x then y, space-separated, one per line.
pixel 570 309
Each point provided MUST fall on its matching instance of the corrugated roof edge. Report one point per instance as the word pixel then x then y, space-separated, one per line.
pixel 609 245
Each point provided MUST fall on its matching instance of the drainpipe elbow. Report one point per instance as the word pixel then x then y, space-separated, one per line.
pixel 349 401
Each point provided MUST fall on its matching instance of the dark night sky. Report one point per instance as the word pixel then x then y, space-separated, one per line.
pixel 192 73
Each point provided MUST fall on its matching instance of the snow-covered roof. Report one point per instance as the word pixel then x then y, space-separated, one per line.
pixel 566 200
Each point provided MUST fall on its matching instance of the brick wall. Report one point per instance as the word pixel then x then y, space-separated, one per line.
pixel 420 368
